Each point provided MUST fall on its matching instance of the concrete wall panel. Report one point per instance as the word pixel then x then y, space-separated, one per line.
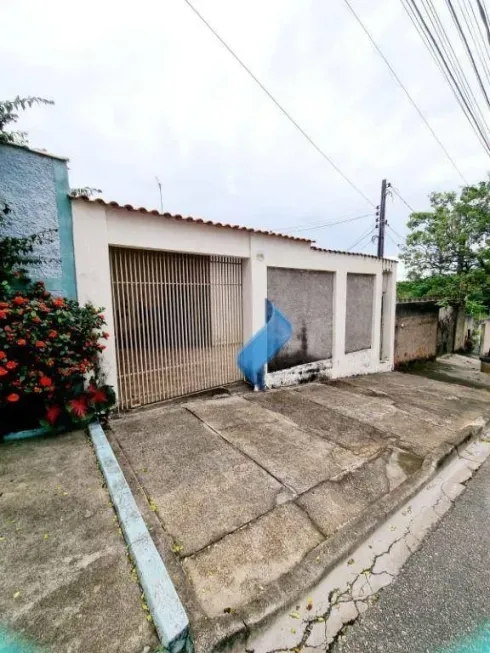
pixel 359 312
pixel 415 331
pixel 306 298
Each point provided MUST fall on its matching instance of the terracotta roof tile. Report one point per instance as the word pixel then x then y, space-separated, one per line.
pixel 211 223
pixel 339 251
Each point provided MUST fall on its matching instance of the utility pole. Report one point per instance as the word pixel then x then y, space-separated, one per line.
pixel 381 219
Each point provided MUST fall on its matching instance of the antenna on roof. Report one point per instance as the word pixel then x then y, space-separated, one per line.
pixel 160 191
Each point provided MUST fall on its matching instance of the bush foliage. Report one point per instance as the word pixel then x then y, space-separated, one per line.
pixel 49 347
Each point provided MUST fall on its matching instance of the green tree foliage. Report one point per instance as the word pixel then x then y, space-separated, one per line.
pixel 9 114
pixel 447 252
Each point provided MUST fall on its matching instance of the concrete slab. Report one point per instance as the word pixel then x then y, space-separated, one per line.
pixel 359 438
pixel 63 563
pixel 241 565
pixel 188 471
pixel 454 368
pixel 262 492
pixel 334 504
pixel 299 459
pixel 406 430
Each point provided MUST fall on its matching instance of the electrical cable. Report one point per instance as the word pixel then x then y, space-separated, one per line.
pixel 364 235
pixel 468 49
pixel 331 224
pixel 397 192
pixel 403 87
pixel 394 243
pixel 430 42
pixel 395 232
pixel 278 105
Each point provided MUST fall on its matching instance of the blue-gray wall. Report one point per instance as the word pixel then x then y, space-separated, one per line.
pixel 35 186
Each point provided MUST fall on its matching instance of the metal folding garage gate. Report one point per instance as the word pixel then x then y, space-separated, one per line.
pixel 178 323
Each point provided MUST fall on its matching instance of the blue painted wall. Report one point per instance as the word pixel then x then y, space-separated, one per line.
pixel 35 185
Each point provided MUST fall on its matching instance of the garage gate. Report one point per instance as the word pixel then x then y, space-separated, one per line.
pixel 178 323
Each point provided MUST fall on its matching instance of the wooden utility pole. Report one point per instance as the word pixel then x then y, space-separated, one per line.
pixel 381 220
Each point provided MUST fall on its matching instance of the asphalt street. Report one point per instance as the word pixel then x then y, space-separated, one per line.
pixel 441 600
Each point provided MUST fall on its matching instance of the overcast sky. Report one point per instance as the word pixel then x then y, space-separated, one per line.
pixel 143 89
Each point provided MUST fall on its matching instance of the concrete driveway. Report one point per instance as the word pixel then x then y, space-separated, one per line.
pixel 250 495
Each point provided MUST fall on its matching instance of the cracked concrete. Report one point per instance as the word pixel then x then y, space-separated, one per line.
pixel 319 619
pixel 255 497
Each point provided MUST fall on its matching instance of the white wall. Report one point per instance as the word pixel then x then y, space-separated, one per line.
pixel 96 227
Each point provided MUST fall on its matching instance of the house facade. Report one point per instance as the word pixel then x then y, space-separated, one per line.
pixel 182 296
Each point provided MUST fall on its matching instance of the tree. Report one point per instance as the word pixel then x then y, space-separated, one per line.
pixel 447 253
pixel 9 113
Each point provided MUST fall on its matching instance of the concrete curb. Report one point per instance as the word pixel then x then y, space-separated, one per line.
pixel 167 611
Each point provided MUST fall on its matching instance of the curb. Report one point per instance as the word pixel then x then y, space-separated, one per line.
pixel 167 611
pixel 259 612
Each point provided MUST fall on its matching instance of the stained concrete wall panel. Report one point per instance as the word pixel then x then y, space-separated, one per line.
pixel 359 312
pixel 306 298
pixel 415 332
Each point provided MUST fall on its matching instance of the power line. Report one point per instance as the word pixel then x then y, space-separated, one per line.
pixel 278 105
pixel 394 243
pixel 403 87
pixel 331 224
pixel 468 49
pixel 397 192
pixel 364 235
pixel 316 223
pixel 464 96
pixel 395 232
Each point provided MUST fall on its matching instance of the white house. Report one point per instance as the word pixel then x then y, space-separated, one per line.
pixel 182 295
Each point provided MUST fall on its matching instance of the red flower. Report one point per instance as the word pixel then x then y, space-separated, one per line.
pixel 13 397
pixel 97 395
pixel 78 407
pixel 52 414
pixel 3 371
pixel 106 335
pixel 58 302
pixel 3 315
pixel 40 344
pixel 2 355
pixel 52 334
pixel 101 347
pixel 21 342
pixel 4 305
pixel 36 319
pixel 7 328
pixel 19 301
pixel 11 365
pixel 102 316
pixel 45 381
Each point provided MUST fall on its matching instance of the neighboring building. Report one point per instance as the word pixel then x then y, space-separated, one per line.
pixel 182 295
pixel 35 186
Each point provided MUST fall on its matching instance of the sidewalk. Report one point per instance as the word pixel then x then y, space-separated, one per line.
pixel 440 601
pixel 67 584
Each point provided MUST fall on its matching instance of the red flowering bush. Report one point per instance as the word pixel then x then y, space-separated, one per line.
pixel 48 345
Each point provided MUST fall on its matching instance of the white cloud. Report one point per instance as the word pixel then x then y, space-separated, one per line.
pixel 143 89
